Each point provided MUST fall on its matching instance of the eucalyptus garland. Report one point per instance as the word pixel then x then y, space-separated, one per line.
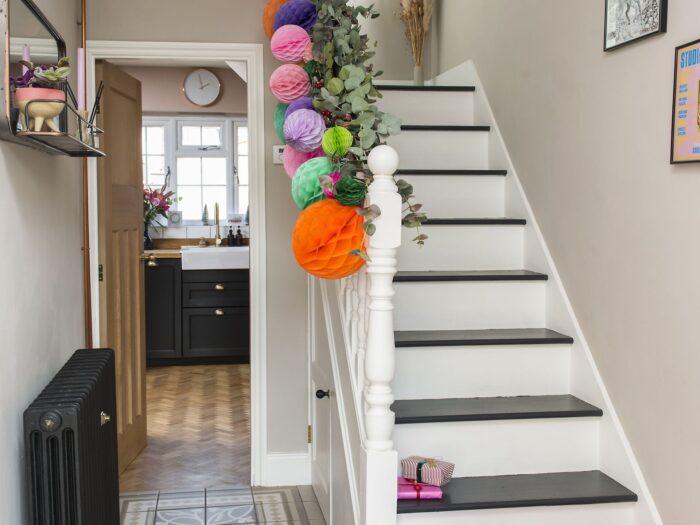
pixel 343 92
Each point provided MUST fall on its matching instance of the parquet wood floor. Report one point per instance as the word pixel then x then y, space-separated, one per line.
pixel 198 429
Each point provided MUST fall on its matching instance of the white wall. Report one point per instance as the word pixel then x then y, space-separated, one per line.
pixel 589 133
pixel 41 317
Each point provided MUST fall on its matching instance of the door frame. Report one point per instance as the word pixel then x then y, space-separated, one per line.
pixel 252 55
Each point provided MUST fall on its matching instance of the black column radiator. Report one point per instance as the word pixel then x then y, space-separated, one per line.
pixel 71 445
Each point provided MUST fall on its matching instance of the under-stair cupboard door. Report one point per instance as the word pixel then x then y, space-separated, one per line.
pixel 120 202
pixel 321 407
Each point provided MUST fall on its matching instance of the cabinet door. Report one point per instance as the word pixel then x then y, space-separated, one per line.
pixel 216 332
pixel 164 309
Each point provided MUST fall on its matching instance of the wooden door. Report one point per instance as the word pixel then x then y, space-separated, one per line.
pixel 321 408
pixel 120 194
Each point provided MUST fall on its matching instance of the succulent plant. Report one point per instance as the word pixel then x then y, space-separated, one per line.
pixel 43 75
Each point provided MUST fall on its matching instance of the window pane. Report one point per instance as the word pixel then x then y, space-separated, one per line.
pixel 242 199
pixel 156 166
pixel 143 139
pixel 191 136
pixel 189 170
pixel 212 195
pixel 211 136
pixel 242 140
pixel 145 170
pixel 156 140
pixel 214 170
pixel 243 170
pixel 191 203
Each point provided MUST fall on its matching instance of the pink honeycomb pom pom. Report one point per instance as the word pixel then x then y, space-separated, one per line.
pixel 294 158
pixel 289 82
pixel 289 43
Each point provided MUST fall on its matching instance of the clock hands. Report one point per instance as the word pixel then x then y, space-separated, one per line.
pixel 200 80
pixel 204 85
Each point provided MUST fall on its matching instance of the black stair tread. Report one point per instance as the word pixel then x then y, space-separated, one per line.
pixel 523 490
pixel 503 336
pixel 410 87
pixel 410 411
pixel 433 127
pixel 474 275
pixel 474 221
pixel 452 172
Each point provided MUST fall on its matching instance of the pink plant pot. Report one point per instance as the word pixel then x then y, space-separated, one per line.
pixel 40 113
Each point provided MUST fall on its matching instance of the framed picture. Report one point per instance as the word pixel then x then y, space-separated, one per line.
pixel 685 141
pixel 627 21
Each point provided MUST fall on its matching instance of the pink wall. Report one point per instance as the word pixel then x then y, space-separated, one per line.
pixel 162 91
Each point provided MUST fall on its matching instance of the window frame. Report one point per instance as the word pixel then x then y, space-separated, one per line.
pixel 173 150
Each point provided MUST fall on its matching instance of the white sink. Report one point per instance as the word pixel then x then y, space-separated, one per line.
pixel 211 258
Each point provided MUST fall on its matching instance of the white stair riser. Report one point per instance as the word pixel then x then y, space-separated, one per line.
pixel 494 448
pixel 608 514
pixel 442 149
pixel 468 247
pixel 459 195
pixel 469 305
pixel 424 107
pixel 482 371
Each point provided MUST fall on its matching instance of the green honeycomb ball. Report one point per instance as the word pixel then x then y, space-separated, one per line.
pixel 280 110
pixel 306 186
pixel 336 141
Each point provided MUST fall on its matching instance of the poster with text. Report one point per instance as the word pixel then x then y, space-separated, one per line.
pixel 685 145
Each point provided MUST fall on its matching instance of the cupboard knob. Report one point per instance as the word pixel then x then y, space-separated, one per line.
pixel 320 394
pixel 219 287
pixel 219 311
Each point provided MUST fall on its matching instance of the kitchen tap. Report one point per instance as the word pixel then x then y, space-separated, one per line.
pixel 217 239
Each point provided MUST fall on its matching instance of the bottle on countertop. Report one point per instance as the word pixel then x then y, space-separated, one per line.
pixel 239 237
pixel 230 238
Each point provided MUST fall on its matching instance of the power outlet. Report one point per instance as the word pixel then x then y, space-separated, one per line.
pixel 278 154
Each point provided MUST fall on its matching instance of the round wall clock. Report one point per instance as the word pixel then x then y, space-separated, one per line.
pixel 202 87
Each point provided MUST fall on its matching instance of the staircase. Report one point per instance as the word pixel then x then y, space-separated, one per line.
pixel 482 379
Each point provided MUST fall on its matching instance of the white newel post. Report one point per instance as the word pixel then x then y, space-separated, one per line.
pixel 381 458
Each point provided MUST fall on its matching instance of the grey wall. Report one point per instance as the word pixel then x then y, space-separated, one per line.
pixel 240 21
pixel 41 317
pixel 589 133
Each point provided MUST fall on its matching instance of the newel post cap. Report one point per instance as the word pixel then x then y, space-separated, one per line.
pixel 383 160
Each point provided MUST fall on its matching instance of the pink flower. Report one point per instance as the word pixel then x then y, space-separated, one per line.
pixel 335 177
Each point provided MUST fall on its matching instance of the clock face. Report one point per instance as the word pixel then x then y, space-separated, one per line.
pixel 202 87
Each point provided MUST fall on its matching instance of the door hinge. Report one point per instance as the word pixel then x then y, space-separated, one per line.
pixel 309 434
pixel 100 273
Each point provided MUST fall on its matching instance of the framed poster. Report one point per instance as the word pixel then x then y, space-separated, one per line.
pixel 685 141
pixel 627 21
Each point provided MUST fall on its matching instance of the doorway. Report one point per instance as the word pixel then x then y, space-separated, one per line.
pixel 237 389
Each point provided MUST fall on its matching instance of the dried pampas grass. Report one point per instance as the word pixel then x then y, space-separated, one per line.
pixel 416 14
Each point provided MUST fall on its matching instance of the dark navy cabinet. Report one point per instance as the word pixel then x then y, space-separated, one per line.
pixel 196 316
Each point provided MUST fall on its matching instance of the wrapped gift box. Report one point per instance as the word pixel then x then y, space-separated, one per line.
pixel 411 490
pixel 428 471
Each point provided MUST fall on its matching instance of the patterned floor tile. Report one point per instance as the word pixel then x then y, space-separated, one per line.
pixel 313 511
pixel 275 494
pixel 306 492
pixel 231 515
pixel 138 501
pixel 138 518
pixel 181 500
pixel 288 511
pixel 180 517
pixel 229 498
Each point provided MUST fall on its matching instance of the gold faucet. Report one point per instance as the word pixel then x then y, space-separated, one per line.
pixel 217 239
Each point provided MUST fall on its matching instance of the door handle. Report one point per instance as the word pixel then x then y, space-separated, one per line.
pixel 219 311
pixel 219 287
pixel 152 260
pixel 320 394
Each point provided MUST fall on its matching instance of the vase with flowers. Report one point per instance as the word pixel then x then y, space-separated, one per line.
pixel 156 204
pixel 416 15
pixel 38 93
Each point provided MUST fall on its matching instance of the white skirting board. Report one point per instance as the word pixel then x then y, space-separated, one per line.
pixel 281 469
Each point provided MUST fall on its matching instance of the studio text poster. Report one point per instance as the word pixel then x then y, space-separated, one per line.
pixel 685 146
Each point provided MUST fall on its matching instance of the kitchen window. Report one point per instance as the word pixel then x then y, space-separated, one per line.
pixel 207 160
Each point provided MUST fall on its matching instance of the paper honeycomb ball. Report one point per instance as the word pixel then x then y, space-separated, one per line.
pixel 304 130
pixel 292 158
pixel 289 82
pixel 350 191
pixel 289 43
pixel 324 235
pixel 306 186
pixel 336 141
pixel 269 12
pixel 300 103
pixel 296 12
pixel 280 112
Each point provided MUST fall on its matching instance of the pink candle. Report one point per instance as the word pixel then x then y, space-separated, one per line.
pixel 81 79
pixel 26 56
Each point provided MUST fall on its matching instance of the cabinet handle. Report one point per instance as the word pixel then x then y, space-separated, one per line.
pixel 219 287
pixel 219 311
pixel 152 263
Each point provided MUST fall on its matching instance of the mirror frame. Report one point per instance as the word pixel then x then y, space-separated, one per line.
pixel 7 131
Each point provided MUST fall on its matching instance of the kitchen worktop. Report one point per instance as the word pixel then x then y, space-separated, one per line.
pixel 169 253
